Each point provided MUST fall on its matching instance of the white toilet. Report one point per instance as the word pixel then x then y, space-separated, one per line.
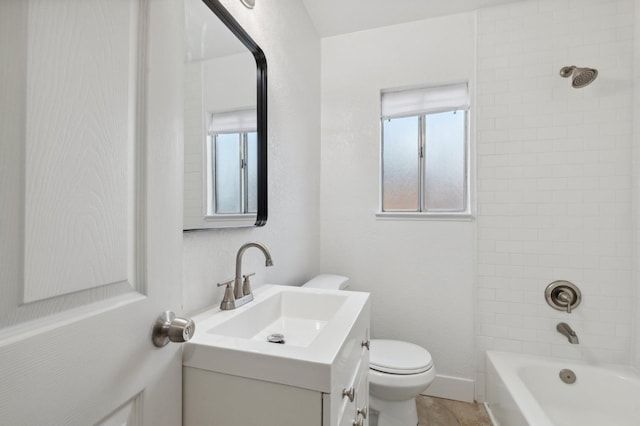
pixel 398 371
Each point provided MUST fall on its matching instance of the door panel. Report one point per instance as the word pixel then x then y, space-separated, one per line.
pixel 90 223
pixel 81 126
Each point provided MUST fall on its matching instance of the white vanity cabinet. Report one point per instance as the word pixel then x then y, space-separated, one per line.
pixel 212 398
pixel 272 385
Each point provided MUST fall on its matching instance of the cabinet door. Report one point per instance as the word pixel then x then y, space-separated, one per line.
pixel 356 412
pixel 348 415
pixel 361 408
pixel 353 372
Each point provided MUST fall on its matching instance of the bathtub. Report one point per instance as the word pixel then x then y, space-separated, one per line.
pixel 525 390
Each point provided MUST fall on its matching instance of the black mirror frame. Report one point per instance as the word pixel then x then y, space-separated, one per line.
pixel 261 107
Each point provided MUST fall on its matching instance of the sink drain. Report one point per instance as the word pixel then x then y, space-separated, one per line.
pixel 567 376
pixel 276 338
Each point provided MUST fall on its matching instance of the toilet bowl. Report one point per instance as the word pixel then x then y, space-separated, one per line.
pixel 398 371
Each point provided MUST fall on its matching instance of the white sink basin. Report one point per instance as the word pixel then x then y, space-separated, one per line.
pixel 299 316
pixel 315 324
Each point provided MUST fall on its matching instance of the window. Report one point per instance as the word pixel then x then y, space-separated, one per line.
pixel 425 150
pixel 232 165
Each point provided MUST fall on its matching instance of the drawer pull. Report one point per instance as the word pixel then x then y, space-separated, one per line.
pixel 349 393
pixel 362 412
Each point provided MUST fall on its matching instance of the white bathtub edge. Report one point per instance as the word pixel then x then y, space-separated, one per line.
pixel 494 421
pixel 517 404
pixel 449 387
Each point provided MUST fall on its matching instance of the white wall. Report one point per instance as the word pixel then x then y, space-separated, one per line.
pixel 283 30
pixel 420 273
pixel 554 178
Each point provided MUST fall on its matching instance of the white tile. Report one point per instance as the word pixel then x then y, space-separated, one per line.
pixel 567 211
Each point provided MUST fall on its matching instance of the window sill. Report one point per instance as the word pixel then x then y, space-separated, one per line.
pixel 221 221
pixel 453 217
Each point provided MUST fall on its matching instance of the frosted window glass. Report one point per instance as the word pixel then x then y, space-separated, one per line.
pixel 252 163
pixel 400 164
pixel 445 174
pixel 227 169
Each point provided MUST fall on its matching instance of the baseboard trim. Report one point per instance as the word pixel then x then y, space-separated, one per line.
pixel 449 387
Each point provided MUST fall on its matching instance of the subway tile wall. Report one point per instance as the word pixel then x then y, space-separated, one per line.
pixel 554 178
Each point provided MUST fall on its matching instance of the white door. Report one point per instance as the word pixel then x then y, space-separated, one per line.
pixel 90 210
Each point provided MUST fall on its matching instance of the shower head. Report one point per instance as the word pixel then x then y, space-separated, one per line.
pixel 580 76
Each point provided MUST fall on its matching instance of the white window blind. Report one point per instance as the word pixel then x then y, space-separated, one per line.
pixel 428 100
pixel 242 121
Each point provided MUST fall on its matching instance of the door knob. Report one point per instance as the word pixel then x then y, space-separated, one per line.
pixel 169 328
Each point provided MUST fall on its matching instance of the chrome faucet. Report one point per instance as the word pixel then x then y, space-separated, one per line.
pixel 238 290
pixel 564 329
pixel 241 293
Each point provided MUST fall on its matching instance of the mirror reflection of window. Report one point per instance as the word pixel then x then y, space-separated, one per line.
pixel 227 197
pixel 232 163
pixel 252 172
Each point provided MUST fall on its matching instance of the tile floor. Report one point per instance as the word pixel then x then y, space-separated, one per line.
pixel 445 412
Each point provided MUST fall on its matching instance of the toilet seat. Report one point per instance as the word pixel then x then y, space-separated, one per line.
pixel 397 357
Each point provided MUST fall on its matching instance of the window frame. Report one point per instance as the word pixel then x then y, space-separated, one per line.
pixel 211 181
pixel 423 211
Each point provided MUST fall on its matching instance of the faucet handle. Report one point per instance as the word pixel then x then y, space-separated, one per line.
pixel 227 283
pixel 228 301
pixel 566 297
pixel 563 296
pixel 246 285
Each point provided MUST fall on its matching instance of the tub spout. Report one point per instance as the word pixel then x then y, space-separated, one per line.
pixel 564 329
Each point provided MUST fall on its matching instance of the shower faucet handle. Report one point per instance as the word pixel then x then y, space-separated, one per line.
pixel 563 296
pixel 567 298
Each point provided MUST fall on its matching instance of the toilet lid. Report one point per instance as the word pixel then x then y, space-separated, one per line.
pixel 396 357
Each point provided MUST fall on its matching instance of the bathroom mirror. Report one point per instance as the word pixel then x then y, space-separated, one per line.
pixel 225 121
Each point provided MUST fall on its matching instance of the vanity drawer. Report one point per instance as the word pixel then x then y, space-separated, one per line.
pixel 356 411
pixel 352 363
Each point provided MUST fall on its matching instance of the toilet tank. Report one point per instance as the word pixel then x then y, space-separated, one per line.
pixel 328 281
